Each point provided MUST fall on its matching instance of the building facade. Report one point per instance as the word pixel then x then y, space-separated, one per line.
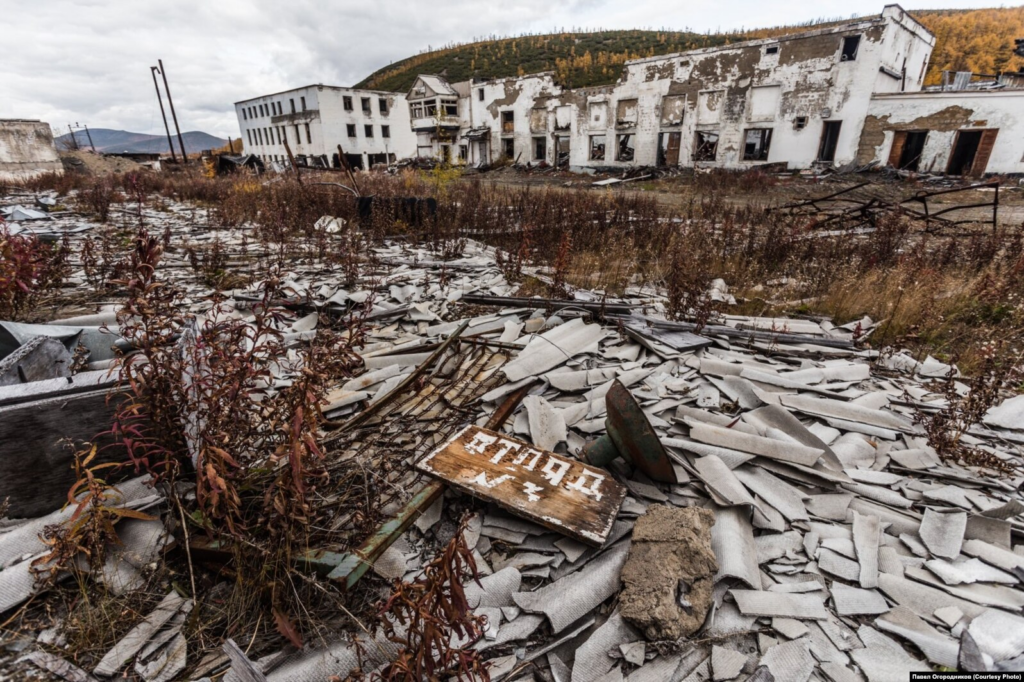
pixel 27 150
pixel 371 127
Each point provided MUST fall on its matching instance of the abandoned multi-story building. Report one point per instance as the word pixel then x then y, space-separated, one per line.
pixel 369 126
pixel 849 94
pixel 27 150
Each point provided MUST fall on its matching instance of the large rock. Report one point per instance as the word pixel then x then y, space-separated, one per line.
pixel 670 572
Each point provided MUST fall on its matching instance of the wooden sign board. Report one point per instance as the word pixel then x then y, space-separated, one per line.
pixel 562 494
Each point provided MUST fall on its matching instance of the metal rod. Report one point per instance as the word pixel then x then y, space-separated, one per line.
pixel 163 114
pixel 170 103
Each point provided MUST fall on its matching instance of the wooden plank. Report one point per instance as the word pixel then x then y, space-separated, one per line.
pixel 899 139
pixel 35 465
pixel 562 494
pixel 984 153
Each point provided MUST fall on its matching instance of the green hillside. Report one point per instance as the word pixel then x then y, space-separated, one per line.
pixel 967 39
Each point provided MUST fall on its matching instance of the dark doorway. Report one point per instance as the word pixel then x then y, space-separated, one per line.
pixel 965 149
pixel 907 148
pixel 829 141
pixel 668 148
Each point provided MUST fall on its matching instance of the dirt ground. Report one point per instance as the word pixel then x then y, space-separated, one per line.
pixel 83 161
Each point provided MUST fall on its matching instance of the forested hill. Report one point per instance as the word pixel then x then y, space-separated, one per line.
pixel 979 40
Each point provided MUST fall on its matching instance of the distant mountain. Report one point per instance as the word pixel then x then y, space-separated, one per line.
pixel 980 40
pixel 112 141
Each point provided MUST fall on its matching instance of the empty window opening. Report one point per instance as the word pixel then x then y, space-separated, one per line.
pixel 430 108
pixel 561 150
pixel 309 137
pixel 480 94
pixel 597 147
pixel 292 102
pixel 382 105
pixel 829 141
pixel 624 150
pixel 508 121
pixel 351 129
pixel 302 101
pixel 368 130
pixel 346 102
pixel 249 133
pixel 668 148
pixel 799 123
pixel 451 107
pixel 850 46
pixel 385 131
pixel 244 115
pixel 280 136
pixel 259 136
pixel 298 138
pixel 508 148
pixel 756 144
pixel 464 151
pixel 907 148
pixel 706 148
pixel 771 49
pixel 366 105
pixel 446 153
pixel 540 149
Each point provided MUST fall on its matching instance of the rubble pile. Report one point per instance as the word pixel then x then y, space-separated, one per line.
pixel 800 526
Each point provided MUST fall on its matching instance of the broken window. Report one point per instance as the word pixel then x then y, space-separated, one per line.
pixel 480 94
pixel 351 129
pixel 540 149
pixel 292 101
pixel 382 104
pixel 280 135
pixel 451 107
pixel 508 148
pixel 368 130
pixel 624 147
pixel 508 121
pixel 385 131
pixel 417 110
pixel 756 144
pixel 430 108
pixel 597 147
pixel 706 148
pixel 366 105
pixel 309 138
pixel 259 136
pixel 800 122
pixel 346 102
pixel 298 138
pixel 850 46
pixel 626 113
pixel 463 150
pixel 771 49
pixel 244 117
pixel 249 133
pixel 302 100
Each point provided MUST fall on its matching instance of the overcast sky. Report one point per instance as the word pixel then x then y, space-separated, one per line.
pixel 88 60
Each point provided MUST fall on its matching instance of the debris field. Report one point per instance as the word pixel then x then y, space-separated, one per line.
pixel 643 499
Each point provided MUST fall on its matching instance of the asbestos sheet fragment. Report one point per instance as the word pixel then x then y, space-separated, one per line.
pixel 669 576
pixel 494 590
pixel 721 480
pixel 791 661
pixel 943 533
pixel 553 348
pixel 567 600
pixel 784 497
pixel 965 571
pixel 755 445
pixel 732 541
pixel 592 659
pixel 922 599
pixel 998 634
pixel 996 556
pixel 938 648
pixel 853 601
pixel 999 596
pixel 826 407
pixel 780 605
pixel 835 564
pixel 866 535
pixel 1007 415
pixel 789 627
pixel 884 664
pixel 726 664
pixel 547 426
pixel 831 506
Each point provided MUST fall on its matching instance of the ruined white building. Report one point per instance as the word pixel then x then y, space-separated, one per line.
pixel 371 126
pixel 849 94
pixel 27 150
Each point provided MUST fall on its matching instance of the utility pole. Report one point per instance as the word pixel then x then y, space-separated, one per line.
pixel 87 134
pixel 74 140
pixel 163 114
pixel 170 103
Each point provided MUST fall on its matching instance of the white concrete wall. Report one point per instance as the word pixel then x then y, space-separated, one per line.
pixel 327 119
pixel 942 114
pixel 27 150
